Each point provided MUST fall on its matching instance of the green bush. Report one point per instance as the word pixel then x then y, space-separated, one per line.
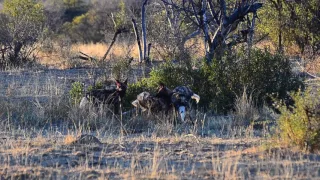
pixel 76 92
pixel 133 90
pixel 268 74
pixel 121 68
pixel 22 24
pixel 300 125
pixel 97 85
pixel 221 82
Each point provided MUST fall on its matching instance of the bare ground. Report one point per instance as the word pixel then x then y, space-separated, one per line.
pixel 142 157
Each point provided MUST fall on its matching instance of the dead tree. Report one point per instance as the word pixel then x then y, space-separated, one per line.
pixel 135 28
pixel 117 32
pixel 143 54
pixel 144 30
pixel 175 19
pixel 216 22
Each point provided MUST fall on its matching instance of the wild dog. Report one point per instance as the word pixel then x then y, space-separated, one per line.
pixel 180 99
pixel 145 101
pixel 164 94
pixel 154 104
pixel 106 96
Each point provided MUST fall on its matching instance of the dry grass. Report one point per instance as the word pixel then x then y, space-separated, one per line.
pixel 245 110
pixel 99 49
pixel 69 139
pixel 61 56
pixel 38 126
pixel 314 66
pixel 142 157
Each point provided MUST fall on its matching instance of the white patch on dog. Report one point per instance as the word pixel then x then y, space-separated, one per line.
pixel 83 103
pixel 182 112
pixel 196 97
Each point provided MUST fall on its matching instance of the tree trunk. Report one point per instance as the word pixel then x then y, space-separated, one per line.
pixel 203 18
pixel 138 39
pixel 148 54
pixel 280 26
pixel 251 34
pixel 144 31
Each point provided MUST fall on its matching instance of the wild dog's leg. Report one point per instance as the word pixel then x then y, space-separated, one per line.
pixel 135 103
pixel 116 108
pixel 190 120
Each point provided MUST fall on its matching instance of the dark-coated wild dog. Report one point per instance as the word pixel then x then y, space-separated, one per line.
pixel 145 101
pixel 154 104
pixel 106 96
pixel 180 99
pixel 166 99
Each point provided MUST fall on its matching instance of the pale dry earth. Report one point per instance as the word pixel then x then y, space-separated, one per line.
pixel 149 157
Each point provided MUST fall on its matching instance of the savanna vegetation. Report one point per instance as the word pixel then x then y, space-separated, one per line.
pixel 255 65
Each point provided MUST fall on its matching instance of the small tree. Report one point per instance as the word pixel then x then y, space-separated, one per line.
pixel 292 22
pixel 218 21
pixel 22 25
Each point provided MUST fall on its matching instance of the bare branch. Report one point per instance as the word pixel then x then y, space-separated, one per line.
pixel 212 11
pixel 192 35
pixel 223 9
pixel 241 12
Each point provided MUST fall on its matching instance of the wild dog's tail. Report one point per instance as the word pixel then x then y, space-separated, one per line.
pixel 195 97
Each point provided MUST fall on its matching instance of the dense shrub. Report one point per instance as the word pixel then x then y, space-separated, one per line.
pixel 300 125
pixel 76 92
pixel 221 82
pixel 22 24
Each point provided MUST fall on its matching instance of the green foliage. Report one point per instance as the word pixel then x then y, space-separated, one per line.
pixel 73 3
pixel 134 89
pixel 300 125
pixel 24 10
pixel 120 17
pixel 98 85
pixel 76 92
pixel 22 24
pixel 77 30
pixel 74 8
pixel 268 74
pixel 89 23
pixel 121 68
pixel 291 22
pixel 221 82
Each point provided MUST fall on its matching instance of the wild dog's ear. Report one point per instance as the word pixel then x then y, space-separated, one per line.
pixel 118 83
pixel 126 81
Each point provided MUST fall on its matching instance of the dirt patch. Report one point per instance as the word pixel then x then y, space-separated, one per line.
pixel 172 157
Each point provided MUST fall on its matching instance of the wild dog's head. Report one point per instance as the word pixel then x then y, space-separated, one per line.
pixel 163 92
pixel 181 97
pixel 121 87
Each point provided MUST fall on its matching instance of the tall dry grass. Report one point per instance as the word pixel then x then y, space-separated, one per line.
pixel 63 54
pixel 38 125
pixel 245 109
